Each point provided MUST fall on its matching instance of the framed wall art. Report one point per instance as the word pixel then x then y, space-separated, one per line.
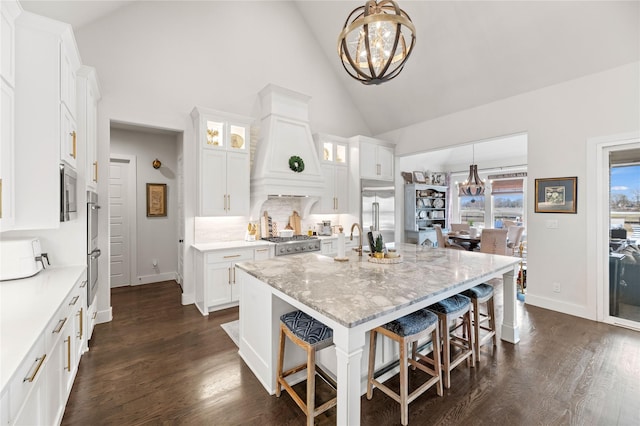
pixel 156 199
pixel 418 177
pixel 556 195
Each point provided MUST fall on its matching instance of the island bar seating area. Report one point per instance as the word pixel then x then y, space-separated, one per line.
pixel 353 298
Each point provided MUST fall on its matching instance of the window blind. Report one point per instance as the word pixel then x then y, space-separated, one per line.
pixel 507 186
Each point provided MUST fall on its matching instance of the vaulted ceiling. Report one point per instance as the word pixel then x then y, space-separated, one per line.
pixel 468 53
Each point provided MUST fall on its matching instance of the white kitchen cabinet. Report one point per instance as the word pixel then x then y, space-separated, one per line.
pixel 376 158
pixel 333 152
pixel 9 11
pixel 44 117
pixel 216 285
pixel 38 391
pixel 223 163
pixel 7 179
pixel 88 94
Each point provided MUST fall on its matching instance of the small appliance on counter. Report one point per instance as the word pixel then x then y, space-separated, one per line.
pixel 324 228
pixel 21 258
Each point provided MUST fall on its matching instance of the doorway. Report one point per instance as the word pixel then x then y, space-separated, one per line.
pixel 122 224
pixel 624 233
pixel 609 214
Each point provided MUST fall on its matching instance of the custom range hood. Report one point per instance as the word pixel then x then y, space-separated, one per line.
pixel 286 162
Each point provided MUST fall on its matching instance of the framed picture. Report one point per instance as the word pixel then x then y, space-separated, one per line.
pixel 156 199
pixel 556 195
pixel 418 177
pixel 438 178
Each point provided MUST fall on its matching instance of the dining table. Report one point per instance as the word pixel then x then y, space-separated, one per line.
pixel 469 242
pixel 353 297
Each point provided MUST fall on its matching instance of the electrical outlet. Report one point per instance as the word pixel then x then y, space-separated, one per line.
pixel 556 287
pixel 551 224
pixel 154 262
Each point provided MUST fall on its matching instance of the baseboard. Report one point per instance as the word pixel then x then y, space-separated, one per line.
pixel 188 298
pixel 104 316
pixel 558 306
pixel 156 278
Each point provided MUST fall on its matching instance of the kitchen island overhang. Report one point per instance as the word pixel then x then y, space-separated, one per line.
pixel 354 297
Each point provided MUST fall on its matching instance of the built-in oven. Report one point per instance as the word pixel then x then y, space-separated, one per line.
pixel 68 195
pixel 93 252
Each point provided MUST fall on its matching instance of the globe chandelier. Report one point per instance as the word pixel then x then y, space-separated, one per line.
pixel 376 42
pixel 473 186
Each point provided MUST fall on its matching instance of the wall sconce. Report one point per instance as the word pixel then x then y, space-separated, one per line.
pixel 156 164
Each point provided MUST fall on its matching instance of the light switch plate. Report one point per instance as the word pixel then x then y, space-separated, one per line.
pixel 552 224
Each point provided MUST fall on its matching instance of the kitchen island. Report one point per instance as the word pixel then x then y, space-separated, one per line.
pixel 354 297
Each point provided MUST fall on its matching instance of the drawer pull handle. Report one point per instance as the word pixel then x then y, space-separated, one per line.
pixel 95 314
pixel 231 256
pixel 81 315
pixel 73 149
pixel 59 325
pixel 84 284
pixel 68 340
pixel 38 363
pixel 95 171
pixel 74 301
pixel 262 250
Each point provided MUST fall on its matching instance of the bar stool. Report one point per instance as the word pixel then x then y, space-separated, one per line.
pixel 310 335
pixel 408 329
pixel 482 293
pixel 448 310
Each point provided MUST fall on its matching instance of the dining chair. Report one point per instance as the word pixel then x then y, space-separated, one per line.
pixel 494 241
pixel 460 227
pixel 514 236
pixel 506 224
pixel 444 242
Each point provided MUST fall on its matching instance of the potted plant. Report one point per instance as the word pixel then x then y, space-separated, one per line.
pixel 379 247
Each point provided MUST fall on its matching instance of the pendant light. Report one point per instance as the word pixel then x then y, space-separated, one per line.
pixel 376 41
pixel 473 186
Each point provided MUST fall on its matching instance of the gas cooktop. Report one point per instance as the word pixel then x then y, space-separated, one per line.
pixel 295 244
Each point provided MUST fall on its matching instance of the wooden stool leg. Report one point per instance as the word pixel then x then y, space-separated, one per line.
pixel 404 383
pixel 476 328
pixel 435 344
pixel 492 319
pixel 445 349
pixel 467 319
pixel 372 361
pixel 311 385
pixel 280 363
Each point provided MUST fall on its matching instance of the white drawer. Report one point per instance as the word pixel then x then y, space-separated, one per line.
pixel 28 373
pixel 229 256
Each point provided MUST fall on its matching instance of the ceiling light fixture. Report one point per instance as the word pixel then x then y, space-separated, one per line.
pixel 373 43
pixel 473 186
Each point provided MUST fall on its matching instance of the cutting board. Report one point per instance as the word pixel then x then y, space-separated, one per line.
pixel 266 225
pixel 294 221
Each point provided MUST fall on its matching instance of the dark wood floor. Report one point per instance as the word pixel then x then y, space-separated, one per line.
pixel 159 362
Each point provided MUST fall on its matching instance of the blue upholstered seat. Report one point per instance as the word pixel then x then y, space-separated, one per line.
pixel 478 292
pixel 450 304
pixel 307 328
pixel 413 323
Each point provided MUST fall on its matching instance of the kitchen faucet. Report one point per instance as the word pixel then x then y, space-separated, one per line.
pixel 359 249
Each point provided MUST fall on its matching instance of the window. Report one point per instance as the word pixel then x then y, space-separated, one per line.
pixel 471 209
pixel 507 196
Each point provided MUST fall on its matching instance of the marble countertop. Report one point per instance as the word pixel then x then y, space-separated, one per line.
pixel 26 307
pixel 356 291
pixel 225 245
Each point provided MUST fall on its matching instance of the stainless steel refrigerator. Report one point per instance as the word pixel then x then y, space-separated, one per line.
pixel 378 209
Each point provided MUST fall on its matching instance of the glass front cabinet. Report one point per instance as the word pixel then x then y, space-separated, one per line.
pixel 223 163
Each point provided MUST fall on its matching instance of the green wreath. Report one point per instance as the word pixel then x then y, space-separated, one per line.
pixel 296 164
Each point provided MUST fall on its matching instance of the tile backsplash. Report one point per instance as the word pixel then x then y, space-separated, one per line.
pixel 215 229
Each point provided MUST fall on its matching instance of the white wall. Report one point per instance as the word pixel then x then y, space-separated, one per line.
pixel 558 120
pixel 157 237
pixel 157 60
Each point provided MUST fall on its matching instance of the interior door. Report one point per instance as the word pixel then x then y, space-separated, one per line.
pixel 119 223
pixel 180 220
